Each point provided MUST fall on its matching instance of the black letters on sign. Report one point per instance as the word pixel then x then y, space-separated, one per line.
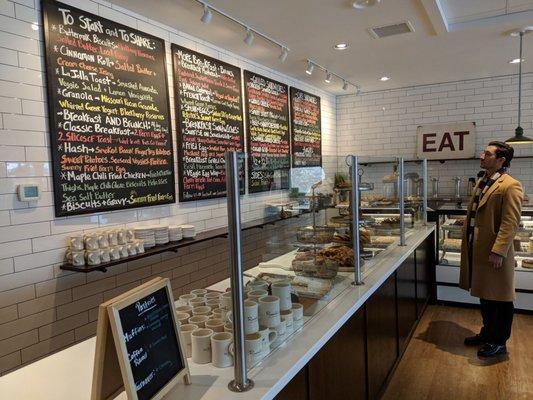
pixel 306 129
pixel 209 109
pixel 109 113
pixel 267 117
pixel 150 337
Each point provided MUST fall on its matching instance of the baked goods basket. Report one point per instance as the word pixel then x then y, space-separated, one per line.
pixel 311 264
pixel 315 235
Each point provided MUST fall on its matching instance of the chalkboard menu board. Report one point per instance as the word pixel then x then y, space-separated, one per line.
pixel 150 335
pixel 267 128
pixel 109 113
pixel 306 129
pixel 210 121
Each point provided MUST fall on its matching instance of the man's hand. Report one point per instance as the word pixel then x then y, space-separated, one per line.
pixel 496 260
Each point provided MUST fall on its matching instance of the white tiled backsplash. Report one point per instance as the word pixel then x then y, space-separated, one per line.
pixel 384 123
pixel 43 308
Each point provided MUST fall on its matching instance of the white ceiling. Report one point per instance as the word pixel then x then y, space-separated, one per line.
pixel 453 39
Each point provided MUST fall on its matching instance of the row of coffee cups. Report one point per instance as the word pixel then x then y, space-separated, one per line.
pixel 79 258
pixel 101 240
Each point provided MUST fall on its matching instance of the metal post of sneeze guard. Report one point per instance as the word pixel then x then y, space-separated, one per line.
pixel 425 191
pixel 354 175
pixel 241 383
pixel 401 194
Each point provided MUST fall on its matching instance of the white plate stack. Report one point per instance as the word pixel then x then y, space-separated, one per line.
pixel 175 233
pixel 146 234
pixel 188 231
pixel 161 234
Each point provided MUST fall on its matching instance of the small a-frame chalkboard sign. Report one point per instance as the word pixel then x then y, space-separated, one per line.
pixel 138 346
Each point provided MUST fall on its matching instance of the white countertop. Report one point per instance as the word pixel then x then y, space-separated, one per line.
pixel 67 375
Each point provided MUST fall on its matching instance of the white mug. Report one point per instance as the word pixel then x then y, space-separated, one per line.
pixel 201 345
pixel 184 299
pixel 225 301
pixel 215 324
pixel 196 302
pixel 268 336
pixel 253 348
pixel 213 303
pixel 92 257
pixel 218 313
pixel 76 242
pixel 121 236
pixel 286 315
pixel 91 242
pixel 257 294
pixel 114 253
pixel 139 244
pixel 201 310
pixel 212 295
pixel 105 255
pixel 185 309
pixel 186 331
pixel 76 258
pixel 199 320
pixel 130 235
pixel 251 320
pixel 112 238
pixel 199 292
pixel 256 285
pixel 297 315
pixel 132 249
pixel 123 251
pixel 283 291
pixel 103 242
pixel 228 327
pixel 220 348
pixel 269 311
pixel 182 317
pixel 280 330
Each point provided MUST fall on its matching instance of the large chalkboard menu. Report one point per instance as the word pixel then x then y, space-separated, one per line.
pixel 208 99
pixel 267 128
pixel 109 113
pixel 306 129
pixel 153 349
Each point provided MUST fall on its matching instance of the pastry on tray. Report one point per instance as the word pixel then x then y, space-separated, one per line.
pixel 452 244
pixel 382 241
pixel 527 263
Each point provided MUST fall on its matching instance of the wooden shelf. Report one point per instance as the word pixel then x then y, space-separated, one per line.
pixel 175 246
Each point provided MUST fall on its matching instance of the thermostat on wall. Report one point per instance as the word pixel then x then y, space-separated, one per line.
pixel 29 192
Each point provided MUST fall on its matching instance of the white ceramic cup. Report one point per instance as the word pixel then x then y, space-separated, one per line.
pixel 76 243
pixel 182 317
pixel 105 255
pixel 212 295
pixel 130 235
pixel 251 317
pixel 186 331
pixel 112 238
pixel 123 251
pixel 286 315
pixel 297 315
pixel 115 253
pixel 218 313
pixel 139 245
pixel 198 301
pixel 283 291
pixel 268 336
pixel 269 311
pixel 76 258
pixel 215 324
pixel 199 292
pixel 92 257
pixel 91 242
pixel 220 345
pixel 258 285
pixel 213 303
pixel 121 236
pixel 132 249
pixel 253 348
pixel 201 345
pixel 281 331
pixel 257 294
pixel 199 320
pixel 201 310
pixel 228 327
pixel 225 301
pixel 185 309
pixel 184 299
pixel 103 241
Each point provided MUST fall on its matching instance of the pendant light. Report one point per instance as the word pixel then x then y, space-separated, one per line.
pixel 519 137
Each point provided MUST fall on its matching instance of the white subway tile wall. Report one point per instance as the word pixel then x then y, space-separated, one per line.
pixel 384 123
pixel 42 308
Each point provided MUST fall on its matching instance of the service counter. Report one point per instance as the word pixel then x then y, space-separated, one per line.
pixel 348 348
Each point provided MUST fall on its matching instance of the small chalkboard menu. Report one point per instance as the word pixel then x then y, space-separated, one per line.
pixel 267 129
pixel 306 129
pixel 208 99
pixel 146 344
pixel 108 112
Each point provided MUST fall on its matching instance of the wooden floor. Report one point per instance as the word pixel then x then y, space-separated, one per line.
pixel 437 366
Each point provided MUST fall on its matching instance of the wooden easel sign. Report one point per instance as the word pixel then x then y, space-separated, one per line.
pixel 138 347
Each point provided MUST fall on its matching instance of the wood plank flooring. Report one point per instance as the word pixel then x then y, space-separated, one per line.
pixel 437 366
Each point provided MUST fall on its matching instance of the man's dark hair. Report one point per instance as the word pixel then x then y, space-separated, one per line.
pixel 503 150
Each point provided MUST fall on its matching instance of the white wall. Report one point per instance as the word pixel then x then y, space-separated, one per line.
pixel 384 123
pixel 41 307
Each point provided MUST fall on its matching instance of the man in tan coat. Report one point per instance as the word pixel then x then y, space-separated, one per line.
pixel 487 253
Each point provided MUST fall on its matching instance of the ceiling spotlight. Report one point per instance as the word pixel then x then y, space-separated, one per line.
pixel 208 15
pixel 341 46
pixel 328 77
pixel 359 4
pixel 249 39
pixel 283 55
pixel 344 85
pixel 515 61
pixel 310 68
pixel 384 79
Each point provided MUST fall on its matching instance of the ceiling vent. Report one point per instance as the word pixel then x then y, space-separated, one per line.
pixel 391 30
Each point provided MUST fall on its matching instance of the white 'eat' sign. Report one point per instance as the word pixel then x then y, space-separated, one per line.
pixel 446 141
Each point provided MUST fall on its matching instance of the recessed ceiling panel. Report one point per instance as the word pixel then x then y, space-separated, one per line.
pixel 457 11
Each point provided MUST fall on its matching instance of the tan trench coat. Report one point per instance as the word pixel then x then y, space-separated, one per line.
pixel 496 223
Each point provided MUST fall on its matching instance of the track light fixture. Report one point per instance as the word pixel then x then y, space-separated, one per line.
pixel 208 15
pixel 344 85
pixel 283 55
pixel 310 68
pixel 328 77
pixel 249 39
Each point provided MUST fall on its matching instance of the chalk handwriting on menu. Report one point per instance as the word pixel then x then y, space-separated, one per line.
pixel 109 114
pixel 267 130
pixel 150 338
pixel 209 109
pixel 306 129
